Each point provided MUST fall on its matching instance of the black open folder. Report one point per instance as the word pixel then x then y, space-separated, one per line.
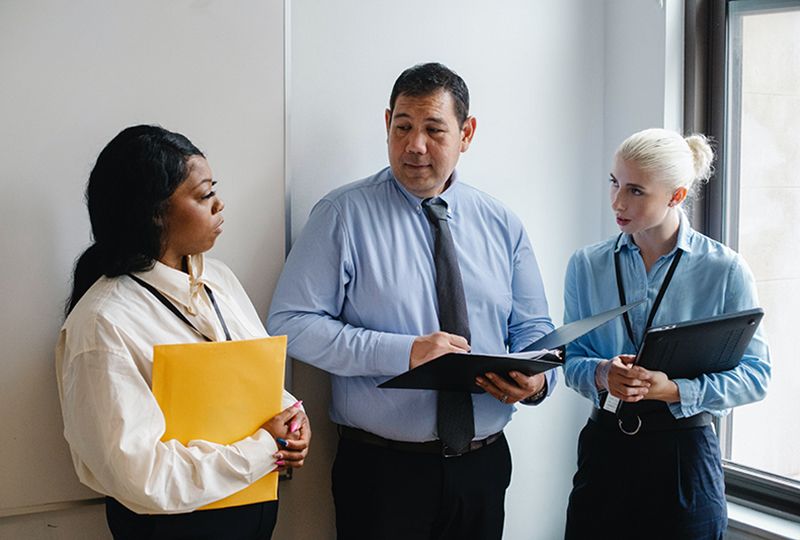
pixel 457 371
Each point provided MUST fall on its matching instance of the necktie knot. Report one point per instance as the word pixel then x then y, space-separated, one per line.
pixel 436 209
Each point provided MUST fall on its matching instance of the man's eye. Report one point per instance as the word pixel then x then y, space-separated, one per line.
pixel 403 128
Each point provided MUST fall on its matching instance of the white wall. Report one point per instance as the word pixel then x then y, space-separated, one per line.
pixel 72 75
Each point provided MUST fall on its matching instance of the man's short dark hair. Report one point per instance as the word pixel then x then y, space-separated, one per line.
pixel 426 79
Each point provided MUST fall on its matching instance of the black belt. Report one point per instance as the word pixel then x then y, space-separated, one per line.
pixel 648 423
pixel 429 447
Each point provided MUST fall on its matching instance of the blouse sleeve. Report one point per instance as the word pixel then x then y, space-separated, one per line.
pixel 114 427
pixel 746 383
pixel 581 361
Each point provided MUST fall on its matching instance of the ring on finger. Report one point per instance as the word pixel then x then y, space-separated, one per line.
pixel 504 399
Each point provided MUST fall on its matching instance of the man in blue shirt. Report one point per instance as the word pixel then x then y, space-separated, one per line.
pixel 358 298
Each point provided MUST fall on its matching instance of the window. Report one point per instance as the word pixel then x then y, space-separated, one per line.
pixel 743 88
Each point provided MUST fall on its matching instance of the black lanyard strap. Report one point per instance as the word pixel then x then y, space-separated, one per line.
pixel 621 289
pixel 170 306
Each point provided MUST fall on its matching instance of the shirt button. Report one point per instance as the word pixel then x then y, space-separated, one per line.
pixel 419 209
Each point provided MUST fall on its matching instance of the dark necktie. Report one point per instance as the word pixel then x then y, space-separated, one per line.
pixel 454 416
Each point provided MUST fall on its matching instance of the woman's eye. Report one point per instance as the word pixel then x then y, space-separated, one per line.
pixel 637 191
pixel 612 181
pixel 210 194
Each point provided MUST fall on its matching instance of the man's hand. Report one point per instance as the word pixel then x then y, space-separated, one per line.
pixel 509 392
pixel 426 348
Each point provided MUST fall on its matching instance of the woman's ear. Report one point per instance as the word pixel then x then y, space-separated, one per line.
pixel 678 196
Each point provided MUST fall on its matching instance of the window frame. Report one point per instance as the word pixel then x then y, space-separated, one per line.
pixel 709 63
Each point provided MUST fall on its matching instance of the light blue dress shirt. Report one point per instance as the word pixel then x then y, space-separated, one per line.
pixel 359 286
pixel 710 279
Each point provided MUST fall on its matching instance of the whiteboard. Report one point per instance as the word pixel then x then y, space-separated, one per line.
pixel 73 74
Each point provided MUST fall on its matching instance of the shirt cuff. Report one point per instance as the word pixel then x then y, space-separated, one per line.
pixel 550 378
pixel 689 391
pixel 393 354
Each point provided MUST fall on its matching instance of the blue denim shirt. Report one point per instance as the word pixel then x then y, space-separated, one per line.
pixel 709 280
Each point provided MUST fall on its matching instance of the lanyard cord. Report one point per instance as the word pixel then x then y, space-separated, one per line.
pixel 170 306
pixel 659 297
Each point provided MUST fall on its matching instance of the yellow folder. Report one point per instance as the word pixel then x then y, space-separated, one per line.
pixel 221 392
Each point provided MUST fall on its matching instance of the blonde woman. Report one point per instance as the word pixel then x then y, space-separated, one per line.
pixel 665 481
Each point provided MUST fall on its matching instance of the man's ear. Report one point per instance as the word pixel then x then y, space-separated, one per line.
pixel 388 117
pixel 467 132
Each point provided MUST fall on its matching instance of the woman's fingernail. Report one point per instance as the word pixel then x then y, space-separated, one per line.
pixel 293 427
pixel 277 455
pixel 281 462
pixel 281 442
pixel 298 404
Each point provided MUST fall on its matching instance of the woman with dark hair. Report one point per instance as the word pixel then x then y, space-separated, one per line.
pixel 154 213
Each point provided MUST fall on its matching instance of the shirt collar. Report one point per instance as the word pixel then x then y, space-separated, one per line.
pixel 684 242
pixel 448 195
pixel 179 286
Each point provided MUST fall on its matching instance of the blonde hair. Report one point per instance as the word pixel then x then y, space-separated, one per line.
pixel 670 158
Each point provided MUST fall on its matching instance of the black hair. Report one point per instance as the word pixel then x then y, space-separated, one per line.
pixel 426 79
pixel 127 194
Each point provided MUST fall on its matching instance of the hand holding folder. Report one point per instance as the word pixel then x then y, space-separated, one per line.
pixel 221 392
pixel 457 371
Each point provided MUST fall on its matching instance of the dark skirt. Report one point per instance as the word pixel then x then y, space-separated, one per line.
pixel 663 484
pixel 248 522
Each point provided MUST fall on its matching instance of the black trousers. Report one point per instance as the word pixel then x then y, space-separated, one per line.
pixel 659 485
pixel 249 522
pixel 383 494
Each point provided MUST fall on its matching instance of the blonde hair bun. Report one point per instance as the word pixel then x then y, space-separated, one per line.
pixel 703 156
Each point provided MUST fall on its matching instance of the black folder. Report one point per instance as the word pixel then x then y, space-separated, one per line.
pixel 457 371
pixel 689 349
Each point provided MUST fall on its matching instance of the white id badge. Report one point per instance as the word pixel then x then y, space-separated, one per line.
pixel 611 403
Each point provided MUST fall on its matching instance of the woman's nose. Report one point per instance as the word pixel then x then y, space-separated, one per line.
pixel 219 204
pixel 616 201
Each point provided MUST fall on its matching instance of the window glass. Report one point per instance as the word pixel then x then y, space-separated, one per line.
pixel 763 221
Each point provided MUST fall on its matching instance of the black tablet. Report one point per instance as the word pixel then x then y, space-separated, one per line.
pixel 689 349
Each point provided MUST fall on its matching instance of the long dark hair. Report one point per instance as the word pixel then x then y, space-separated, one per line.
pixel 127 195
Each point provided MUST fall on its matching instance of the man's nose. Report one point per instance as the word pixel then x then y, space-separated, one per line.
pixel 417 143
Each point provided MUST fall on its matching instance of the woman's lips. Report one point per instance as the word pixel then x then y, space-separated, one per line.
pixel 622 221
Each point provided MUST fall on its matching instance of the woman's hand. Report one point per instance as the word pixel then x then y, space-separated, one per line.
pixel 662 388
pixel 632 383
pixel 293 450
pixel 622 379
pixel 292 431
